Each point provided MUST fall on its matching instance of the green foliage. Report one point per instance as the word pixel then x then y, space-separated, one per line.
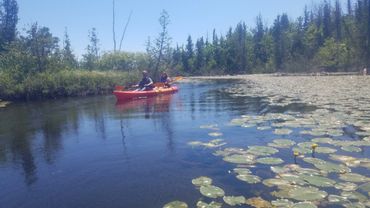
pixel 61 83
pixel 8 22
pixel 332 56
pixel 91 58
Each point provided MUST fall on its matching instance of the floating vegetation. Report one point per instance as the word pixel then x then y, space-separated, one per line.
pixel 281 143
pixel 325 150
pixel 332 167
pixel 176 204
pixel 234 200
pixel 212 191
pixel 201 204
pixel 202 181
pixel 258 202
pixel 215 134
pixel 262 150
pixel 211 144
pixel 325 130
pixel 270 160
pixel 318 180
pixel 240 159
pixel 353 177
pixel 351 149
pixel 3 104
pixel 346 186
pixel 306 193
pixel 283 131
pixel 210 126
pixel 249 178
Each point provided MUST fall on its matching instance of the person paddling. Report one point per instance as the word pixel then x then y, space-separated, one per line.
pixel 146 83
pixel 165 79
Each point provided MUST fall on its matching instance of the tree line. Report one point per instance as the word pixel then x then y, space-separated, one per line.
pixel 328 36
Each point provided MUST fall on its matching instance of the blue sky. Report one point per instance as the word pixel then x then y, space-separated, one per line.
pixel 188 17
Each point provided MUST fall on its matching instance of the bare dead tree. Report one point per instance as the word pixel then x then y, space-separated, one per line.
pixel 124 31
pixel 114 29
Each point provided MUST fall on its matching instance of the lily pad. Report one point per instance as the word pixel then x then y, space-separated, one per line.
pixel 275 182
pixel 324 140
pixel 249 178
pixel 270 160
pixel 215 134
pixel 304 205
pixel 282 203
pixel 242 171
pixel 282 143
pixel 202 181
pixel 234 200
pixel 337 199
pixel 201 204
pixel 176 204
pixel 354 196
pixel 212 191
pixel 301 150
pixel 240 159
pixel 262 150
pixel 258 202
pixel 353 177
pixel 365 187
pixel 332 167
pixel 283 131
pixel 325 150
pixel 313 160
pixel 306 194
pixel 346 186
pixel 318 180
pixel 351 149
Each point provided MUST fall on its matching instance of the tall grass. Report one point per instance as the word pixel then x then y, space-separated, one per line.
pixel 61 84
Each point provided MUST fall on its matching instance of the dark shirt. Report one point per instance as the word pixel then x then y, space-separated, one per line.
pixel 164 79
pixel 145 81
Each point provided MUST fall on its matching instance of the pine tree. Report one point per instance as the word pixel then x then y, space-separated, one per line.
pixel 68 58
pixel 91 58
pixel 8 22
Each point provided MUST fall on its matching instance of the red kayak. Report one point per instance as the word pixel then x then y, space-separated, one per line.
pixel 127 95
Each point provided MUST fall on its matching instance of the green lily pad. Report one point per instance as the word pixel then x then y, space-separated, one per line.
pixel 282 203
pixel 351 149
pixel 293 179
pixel 354 196
pixel 215 134
pixel 201 204
pixel 202 181
pixel 263 128
pixel 325 150
pixel 304 205
pixel 212 191
pixel 313 160
pixel 282 143
pixel 354 205
pixel 270 160
pixel 306 194
pixel 318 180
pixel 275 182
pixel 337 199
pixel 240 159
pixel 249 178
pixel 353 177
pixel 332 167
pixel 346 186
pixel 234 200
pixel 323 140
pixel 283 131
pixel 365 187
pixel 176 204
pixel 258 202
pixel 242 171
pixel 301 150
pixel 261 150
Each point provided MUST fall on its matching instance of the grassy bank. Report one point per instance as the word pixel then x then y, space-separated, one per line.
pixel 61 84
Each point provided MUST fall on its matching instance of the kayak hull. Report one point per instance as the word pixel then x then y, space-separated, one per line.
pixel 128 95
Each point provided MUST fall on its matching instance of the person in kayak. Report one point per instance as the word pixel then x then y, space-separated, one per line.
pixel 146 83
pixel 165 79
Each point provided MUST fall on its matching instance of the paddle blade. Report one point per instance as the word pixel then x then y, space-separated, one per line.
pixel 119 88
pixel 177 79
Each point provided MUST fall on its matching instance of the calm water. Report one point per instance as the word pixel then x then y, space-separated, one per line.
pixel 94 152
